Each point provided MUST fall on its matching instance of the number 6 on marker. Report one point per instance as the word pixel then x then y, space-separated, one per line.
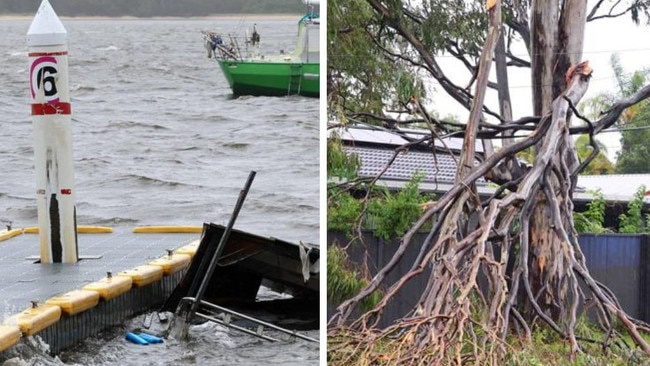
pixel 43 74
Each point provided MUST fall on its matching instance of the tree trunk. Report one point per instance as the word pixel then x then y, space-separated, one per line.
pixel 557 45
pixel 544 29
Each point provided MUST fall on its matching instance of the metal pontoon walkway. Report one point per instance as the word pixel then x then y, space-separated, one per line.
pixel 22 280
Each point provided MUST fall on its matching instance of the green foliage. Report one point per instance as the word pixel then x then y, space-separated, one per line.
pixel 632 222
pixel 634 156
pixel 548 349
pixel 527 155
pixel 389 214
pixel 339 164
pixel 592 220
pixel 464 23
pixel 600 164
pixel 343 283
pixel 343 210
pixel 392 214
pixel 361 76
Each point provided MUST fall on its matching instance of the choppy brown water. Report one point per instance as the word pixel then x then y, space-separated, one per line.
pixel 159 139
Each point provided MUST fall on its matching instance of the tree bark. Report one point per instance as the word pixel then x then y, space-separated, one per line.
pixel 544 29
pixel 561 52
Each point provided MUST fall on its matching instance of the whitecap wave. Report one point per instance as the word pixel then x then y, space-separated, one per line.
pixel 108 48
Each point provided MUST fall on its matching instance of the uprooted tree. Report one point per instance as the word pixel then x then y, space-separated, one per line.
pixel 502 266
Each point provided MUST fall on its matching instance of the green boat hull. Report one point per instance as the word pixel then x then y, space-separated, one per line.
pixel 271 78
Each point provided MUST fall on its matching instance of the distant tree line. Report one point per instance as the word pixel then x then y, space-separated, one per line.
pixel 147 8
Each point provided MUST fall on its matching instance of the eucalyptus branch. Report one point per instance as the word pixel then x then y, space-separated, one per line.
pixel 611 14
pixel 611 116
pixel 592 142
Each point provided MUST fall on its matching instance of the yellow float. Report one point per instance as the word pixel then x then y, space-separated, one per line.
pixel 172 263
pixel 8 234
pixel 110 287
pixel 75 301
pixel 9 336
pixel 189 249
pixel 143 275
pixel 36 318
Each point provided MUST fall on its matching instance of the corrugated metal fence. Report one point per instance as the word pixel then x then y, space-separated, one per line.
pixel 620 262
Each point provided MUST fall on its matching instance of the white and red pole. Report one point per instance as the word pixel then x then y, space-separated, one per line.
pixel 50 99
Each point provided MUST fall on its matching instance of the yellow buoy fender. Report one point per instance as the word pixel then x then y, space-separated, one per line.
pixel 75 301
pixel 35 319
pixel 8 234
pixel 9 336
pixel 172 263
pixel 110 287
pixel 143 275
pixel 189 249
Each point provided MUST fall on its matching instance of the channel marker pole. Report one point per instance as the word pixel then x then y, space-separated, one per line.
pixel 50 98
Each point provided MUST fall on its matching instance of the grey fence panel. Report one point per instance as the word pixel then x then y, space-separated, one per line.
pixel 620 262
pixel 615 261
pixel 410 293
pixel 377 253
pixel 644 275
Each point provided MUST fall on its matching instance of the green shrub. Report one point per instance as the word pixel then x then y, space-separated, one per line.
pixel 343 282
pixel 343 210
pixel 592 220
pixel 632 222
pixel 339 164
pixel 393 214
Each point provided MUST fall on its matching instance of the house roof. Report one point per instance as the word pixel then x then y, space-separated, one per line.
pixel 362 133
pixel 375 146
pixel 442 169
pixel 616 187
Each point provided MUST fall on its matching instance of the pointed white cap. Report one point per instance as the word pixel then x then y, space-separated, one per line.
pixel 46 28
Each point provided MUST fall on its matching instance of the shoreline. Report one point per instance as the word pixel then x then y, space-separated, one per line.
pixel 130 17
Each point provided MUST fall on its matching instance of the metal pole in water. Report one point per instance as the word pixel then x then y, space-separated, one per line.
pixel 53 163
pixel 223 241
pixel 180 327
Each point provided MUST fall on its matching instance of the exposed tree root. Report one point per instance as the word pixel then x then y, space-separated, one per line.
pixel 498 269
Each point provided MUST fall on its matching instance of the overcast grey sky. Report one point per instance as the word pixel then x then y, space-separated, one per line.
pixel 603 38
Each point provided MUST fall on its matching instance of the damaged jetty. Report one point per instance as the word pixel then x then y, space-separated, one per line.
pixel 60 295
pixel 228 270
pixel 216 278
pixel 247 262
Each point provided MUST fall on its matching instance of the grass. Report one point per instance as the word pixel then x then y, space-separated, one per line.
pixel 545 349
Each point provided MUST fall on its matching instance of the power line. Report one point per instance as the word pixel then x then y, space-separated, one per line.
pixel 618 129
pixel 520 55
pixel 593 79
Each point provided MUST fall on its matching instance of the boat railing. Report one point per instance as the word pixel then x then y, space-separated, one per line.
pixel 227 317
pixel 229 48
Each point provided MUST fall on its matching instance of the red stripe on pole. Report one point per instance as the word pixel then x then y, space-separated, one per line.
pixel 39 54
pixel 43 109
pixel 66 191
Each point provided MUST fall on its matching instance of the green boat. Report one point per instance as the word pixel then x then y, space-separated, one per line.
pixel 249 73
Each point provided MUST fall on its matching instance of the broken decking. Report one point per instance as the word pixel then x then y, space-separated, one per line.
pixel 153 275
